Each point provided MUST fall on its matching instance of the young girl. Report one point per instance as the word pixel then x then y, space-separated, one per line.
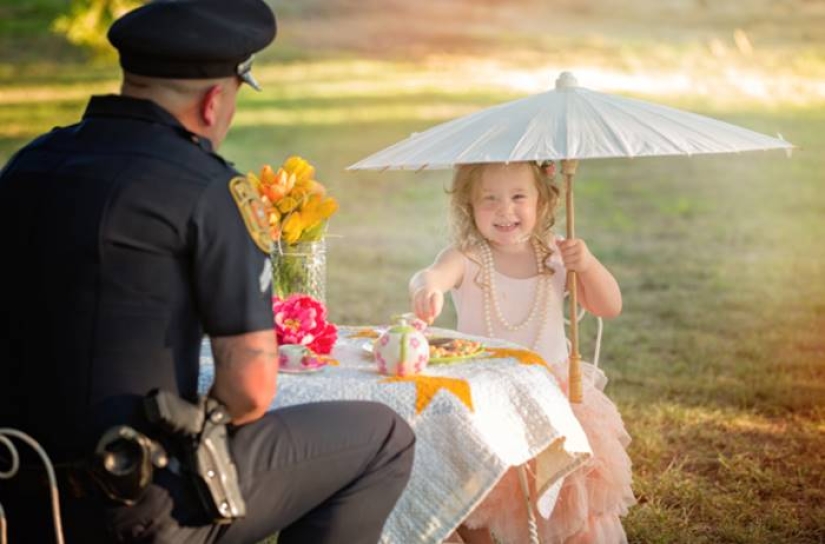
pixel 506 274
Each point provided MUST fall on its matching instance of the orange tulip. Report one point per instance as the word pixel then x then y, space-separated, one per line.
pixel 276 185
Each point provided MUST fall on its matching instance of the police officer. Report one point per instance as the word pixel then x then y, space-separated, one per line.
pixel 127 237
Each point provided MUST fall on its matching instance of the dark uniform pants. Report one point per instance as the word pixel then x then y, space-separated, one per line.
pixel 318 473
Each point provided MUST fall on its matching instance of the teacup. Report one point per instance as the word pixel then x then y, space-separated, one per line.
pixel 292 356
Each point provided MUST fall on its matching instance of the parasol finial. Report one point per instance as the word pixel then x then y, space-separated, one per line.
pixel 566 80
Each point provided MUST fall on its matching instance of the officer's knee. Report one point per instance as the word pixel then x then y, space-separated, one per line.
pixel 403 431
pixel 400 436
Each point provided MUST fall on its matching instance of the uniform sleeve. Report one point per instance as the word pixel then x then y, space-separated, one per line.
pixel 232 275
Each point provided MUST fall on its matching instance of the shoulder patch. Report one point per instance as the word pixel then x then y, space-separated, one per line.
pixel 252 212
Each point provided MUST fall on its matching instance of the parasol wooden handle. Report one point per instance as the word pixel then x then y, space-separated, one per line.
pixel 574 394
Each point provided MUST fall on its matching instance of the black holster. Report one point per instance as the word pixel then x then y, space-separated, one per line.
pixel 125 459
pixel 201 430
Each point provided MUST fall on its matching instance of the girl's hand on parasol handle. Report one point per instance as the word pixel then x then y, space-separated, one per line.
pixel 575 255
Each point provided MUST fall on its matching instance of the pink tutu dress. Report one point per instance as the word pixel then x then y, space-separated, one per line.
pixel 593 497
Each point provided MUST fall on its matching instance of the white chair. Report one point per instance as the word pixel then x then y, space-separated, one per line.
pixel 592 376
pixel 5 433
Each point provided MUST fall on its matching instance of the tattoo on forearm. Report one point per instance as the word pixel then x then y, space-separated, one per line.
pixel 230 353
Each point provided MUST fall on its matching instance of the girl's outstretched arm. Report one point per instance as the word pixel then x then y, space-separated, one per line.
pixel 427 286
pixel 597 289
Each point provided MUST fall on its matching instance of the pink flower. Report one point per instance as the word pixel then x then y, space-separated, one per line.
pixel 301 319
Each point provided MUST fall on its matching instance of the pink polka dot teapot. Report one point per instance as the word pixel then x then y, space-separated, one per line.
pixel 403 349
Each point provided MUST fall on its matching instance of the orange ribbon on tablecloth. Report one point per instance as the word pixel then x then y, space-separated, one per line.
pixel 426 388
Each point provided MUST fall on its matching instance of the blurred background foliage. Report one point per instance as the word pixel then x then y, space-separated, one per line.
pixel 87 21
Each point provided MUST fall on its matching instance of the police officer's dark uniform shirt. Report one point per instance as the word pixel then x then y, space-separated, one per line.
pixel 123 244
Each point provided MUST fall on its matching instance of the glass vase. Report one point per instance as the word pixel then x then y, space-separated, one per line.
pixel 300 268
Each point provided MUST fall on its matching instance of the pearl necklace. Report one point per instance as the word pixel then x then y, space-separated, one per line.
pixel 489 294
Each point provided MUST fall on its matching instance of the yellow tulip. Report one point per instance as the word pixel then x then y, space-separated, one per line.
pixel 299 193
pixel 288 204
pixel 311 210
pixel 274 216
pixel 302 170
pixel 316 210
pixel 253 179
pixel 328 207
pixel 316 188
pixel 292 228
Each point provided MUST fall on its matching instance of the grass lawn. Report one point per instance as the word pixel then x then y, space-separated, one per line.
pixel 717 362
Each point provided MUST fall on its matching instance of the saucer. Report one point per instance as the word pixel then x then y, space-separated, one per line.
pixel 315 366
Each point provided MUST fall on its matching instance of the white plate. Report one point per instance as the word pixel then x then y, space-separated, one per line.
pixel 367 347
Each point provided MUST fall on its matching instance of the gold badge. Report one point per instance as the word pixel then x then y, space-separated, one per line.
pixel 252 211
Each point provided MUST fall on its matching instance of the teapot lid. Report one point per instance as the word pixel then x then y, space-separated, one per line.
pixel 401 319
pixel 400 323
pixel 406 320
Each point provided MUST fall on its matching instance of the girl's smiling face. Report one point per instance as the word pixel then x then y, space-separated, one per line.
pixel 505 201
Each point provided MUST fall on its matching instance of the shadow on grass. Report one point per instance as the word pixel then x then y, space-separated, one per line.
pixel 700 471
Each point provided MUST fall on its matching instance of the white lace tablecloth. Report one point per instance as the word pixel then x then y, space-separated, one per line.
pixel 473 420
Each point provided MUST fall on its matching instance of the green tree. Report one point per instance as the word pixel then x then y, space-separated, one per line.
pixel 87 21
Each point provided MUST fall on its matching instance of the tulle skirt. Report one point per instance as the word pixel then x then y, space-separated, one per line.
pixel 591 499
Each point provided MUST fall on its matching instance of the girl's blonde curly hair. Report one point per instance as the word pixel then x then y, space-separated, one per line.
pixel 466 181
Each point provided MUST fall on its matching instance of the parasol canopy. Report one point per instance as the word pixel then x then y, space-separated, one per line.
pixel 568 123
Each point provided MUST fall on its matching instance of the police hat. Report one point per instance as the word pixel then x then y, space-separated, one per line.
pixel 193 39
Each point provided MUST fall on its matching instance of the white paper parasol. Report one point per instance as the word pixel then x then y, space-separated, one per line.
pixel 567 123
